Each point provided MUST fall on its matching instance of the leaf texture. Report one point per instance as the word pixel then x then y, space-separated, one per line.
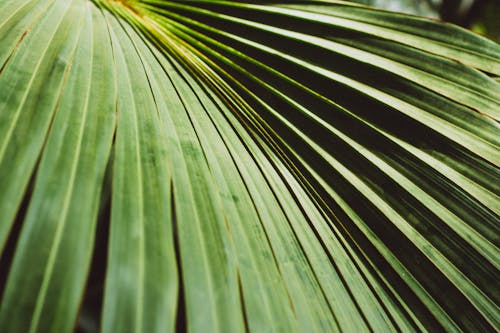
pixel 299 166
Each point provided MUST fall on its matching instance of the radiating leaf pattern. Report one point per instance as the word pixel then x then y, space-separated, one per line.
pixel 288 166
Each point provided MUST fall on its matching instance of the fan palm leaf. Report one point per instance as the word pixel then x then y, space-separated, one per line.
pixel 216 166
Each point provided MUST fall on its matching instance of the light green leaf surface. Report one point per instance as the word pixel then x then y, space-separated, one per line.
pixel 216 166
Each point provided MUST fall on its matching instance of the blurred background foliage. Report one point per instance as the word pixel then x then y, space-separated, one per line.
pixel 481 16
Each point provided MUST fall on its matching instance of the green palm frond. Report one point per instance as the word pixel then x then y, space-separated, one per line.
pixel 284 166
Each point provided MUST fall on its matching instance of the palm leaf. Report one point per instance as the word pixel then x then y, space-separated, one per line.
pixel 312 166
